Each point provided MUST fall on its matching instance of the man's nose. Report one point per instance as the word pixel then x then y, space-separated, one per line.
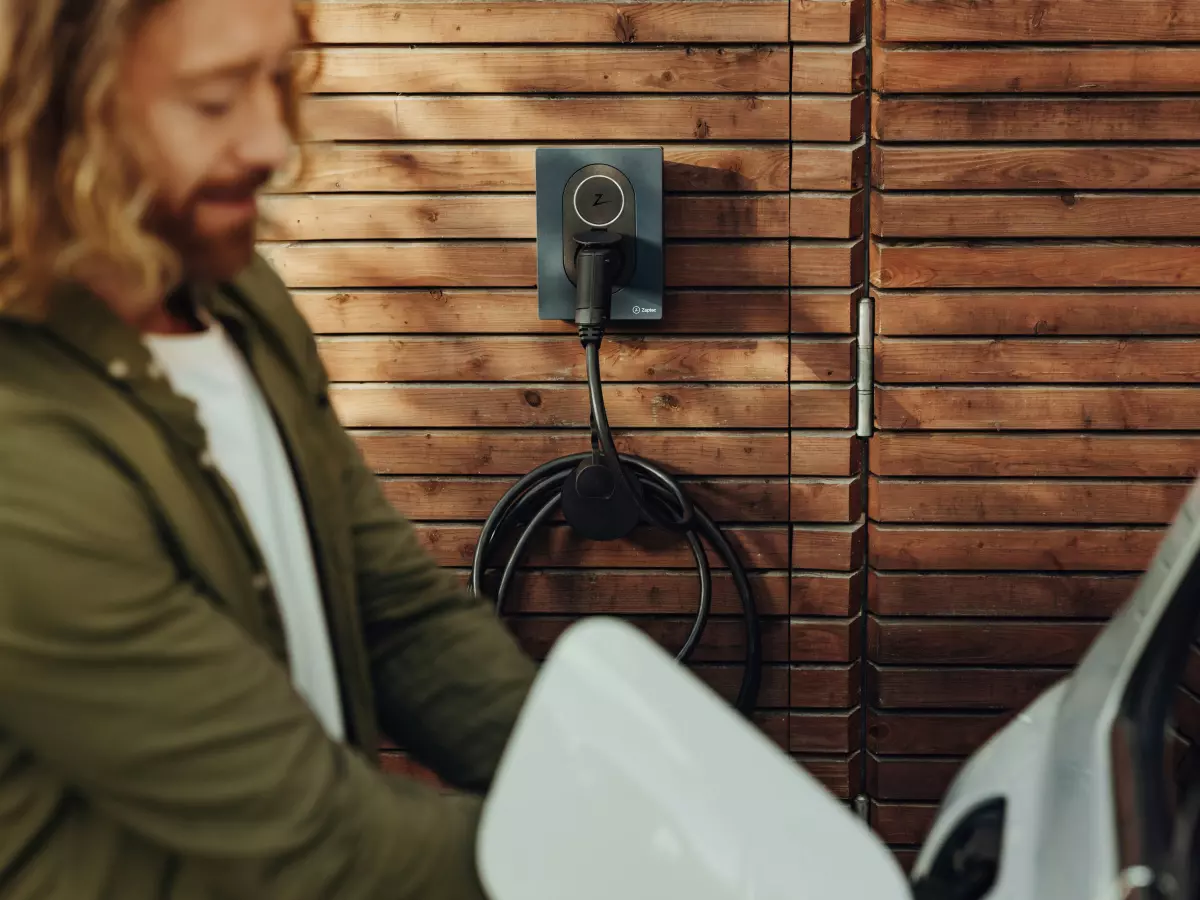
pixel 265 140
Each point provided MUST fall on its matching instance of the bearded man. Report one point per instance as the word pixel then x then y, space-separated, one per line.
pixel 209 613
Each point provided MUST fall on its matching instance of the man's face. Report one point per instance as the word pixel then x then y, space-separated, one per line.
pixel 202 87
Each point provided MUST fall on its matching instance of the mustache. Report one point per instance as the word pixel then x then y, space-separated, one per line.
pixel 233 191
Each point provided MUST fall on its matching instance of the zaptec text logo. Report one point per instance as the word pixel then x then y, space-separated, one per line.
pixel 645 310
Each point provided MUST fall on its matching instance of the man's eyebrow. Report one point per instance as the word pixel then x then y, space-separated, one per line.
pixel 233 70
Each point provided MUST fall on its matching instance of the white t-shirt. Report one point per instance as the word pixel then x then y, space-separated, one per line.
pixel 207 368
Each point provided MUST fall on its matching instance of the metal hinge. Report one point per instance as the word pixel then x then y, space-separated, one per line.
pixel 862 807
pixel 866 367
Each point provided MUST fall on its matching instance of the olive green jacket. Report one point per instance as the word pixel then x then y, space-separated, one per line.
pixel 151 743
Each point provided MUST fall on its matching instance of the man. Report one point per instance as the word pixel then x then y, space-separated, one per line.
pixel 208 611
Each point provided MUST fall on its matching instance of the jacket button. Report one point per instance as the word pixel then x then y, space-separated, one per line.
pixel 118 369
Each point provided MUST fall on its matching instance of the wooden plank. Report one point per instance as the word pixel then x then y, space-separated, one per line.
pixel 822 406
pixel 726 500
pixel 550 22
pixel 631 592
pixel 827 70
pixel 727 264
pixel 525 118
pixel 1038 408
pixel 827 21
pixel 826 263
pixel 941 642
pixel 910 779
pixel 999 596
pixel 837 548
pixel 515 452
pixel 901 118
pixel 824 687
pixel 841 777
pixel 759 547
pixel 902 823
pixel 821 360
pixel 427 168
pixel 512 358
pixel 824 732
pixel 340 217
pixel 1034 501
pixel 825 640
pixel 1017 264
pixel 1033 21
pixel 817 117
pixel 1042 455
pixel 825 453
pixel 1065 215
pixel 1033 70
pixel 1040 361
pixel 726 681
pixel 557 406
pixel 906 547
pixel 942 734
pixel 722 641
pixel 944 688
pixel 1126 312
pixel 826 594
pixel 554 70
pixel 331 264
pixel 815 500
pixel 828 167
pixel 823 215
pixel 825 311
pixel 506 311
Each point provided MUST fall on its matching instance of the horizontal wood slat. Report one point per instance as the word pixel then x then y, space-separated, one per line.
pixel 511 358
pixel 999 596
pixel 550 22
pixel 482 311
pixel 825 311
pixel 1079 167
pixel 1040 408
pixel 958 688
pixel 532 118
pixel 826 594
pixel 1033 70
pixel 819 687
pixel 822 406
pixel 827 21
pixel 427 168
pixel 825 732
pixel 761 547
pixel 933 642
pixel 820 263
pixel 832 70
pixel 1018 264
pixel 1032 20
pixel 1041 455
pixel 898 823
pixel 828 167
pixel 538 70
pixel 910 779
pixel 828 118
pixel 722 641
pixel 941 734
pixel 1051 549
pixel 1034 312
pixel 515 452
pixel 1065 215
pixel 1031 501
pixel 994 118
pixel 629 406
pixel 838 548
pixel 1043 360
pixel 825 453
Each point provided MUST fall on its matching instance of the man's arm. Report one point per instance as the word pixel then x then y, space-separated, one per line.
pixel 166 716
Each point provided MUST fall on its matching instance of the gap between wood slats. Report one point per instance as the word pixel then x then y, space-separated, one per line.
pixel 1040 360
pixel 428 168
pixel 551 22
pixel 1034 20
pixel 1035 264
pixel 1033 312
pixel 1065 215
pixel 1036 455
pixel 998 595
pixel 1144 69
pixel 991 118
pixel 1039 408
pixel 340 217
pixel 757 69
pixel 515 452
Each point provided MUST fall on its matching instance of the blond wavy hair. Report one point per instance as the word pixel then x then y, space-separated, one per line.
pixel 70 194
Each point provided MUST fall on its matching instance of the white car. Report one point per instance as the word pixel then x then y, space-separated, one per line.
pixel 629 779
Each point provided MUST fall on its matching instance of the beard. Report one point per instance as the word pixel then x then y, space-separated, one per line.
pixel 208 253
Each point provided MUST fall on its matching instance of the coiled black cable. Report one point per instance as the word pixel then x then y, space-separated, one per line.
pixel 660 501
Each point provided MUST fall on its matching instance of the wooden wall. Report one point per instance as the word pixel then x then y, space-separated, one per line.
pixel 1033 256
pixel 1034 262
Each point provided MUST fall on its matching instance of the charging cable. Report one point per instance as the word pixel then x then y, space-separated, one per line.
pixel 603 494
